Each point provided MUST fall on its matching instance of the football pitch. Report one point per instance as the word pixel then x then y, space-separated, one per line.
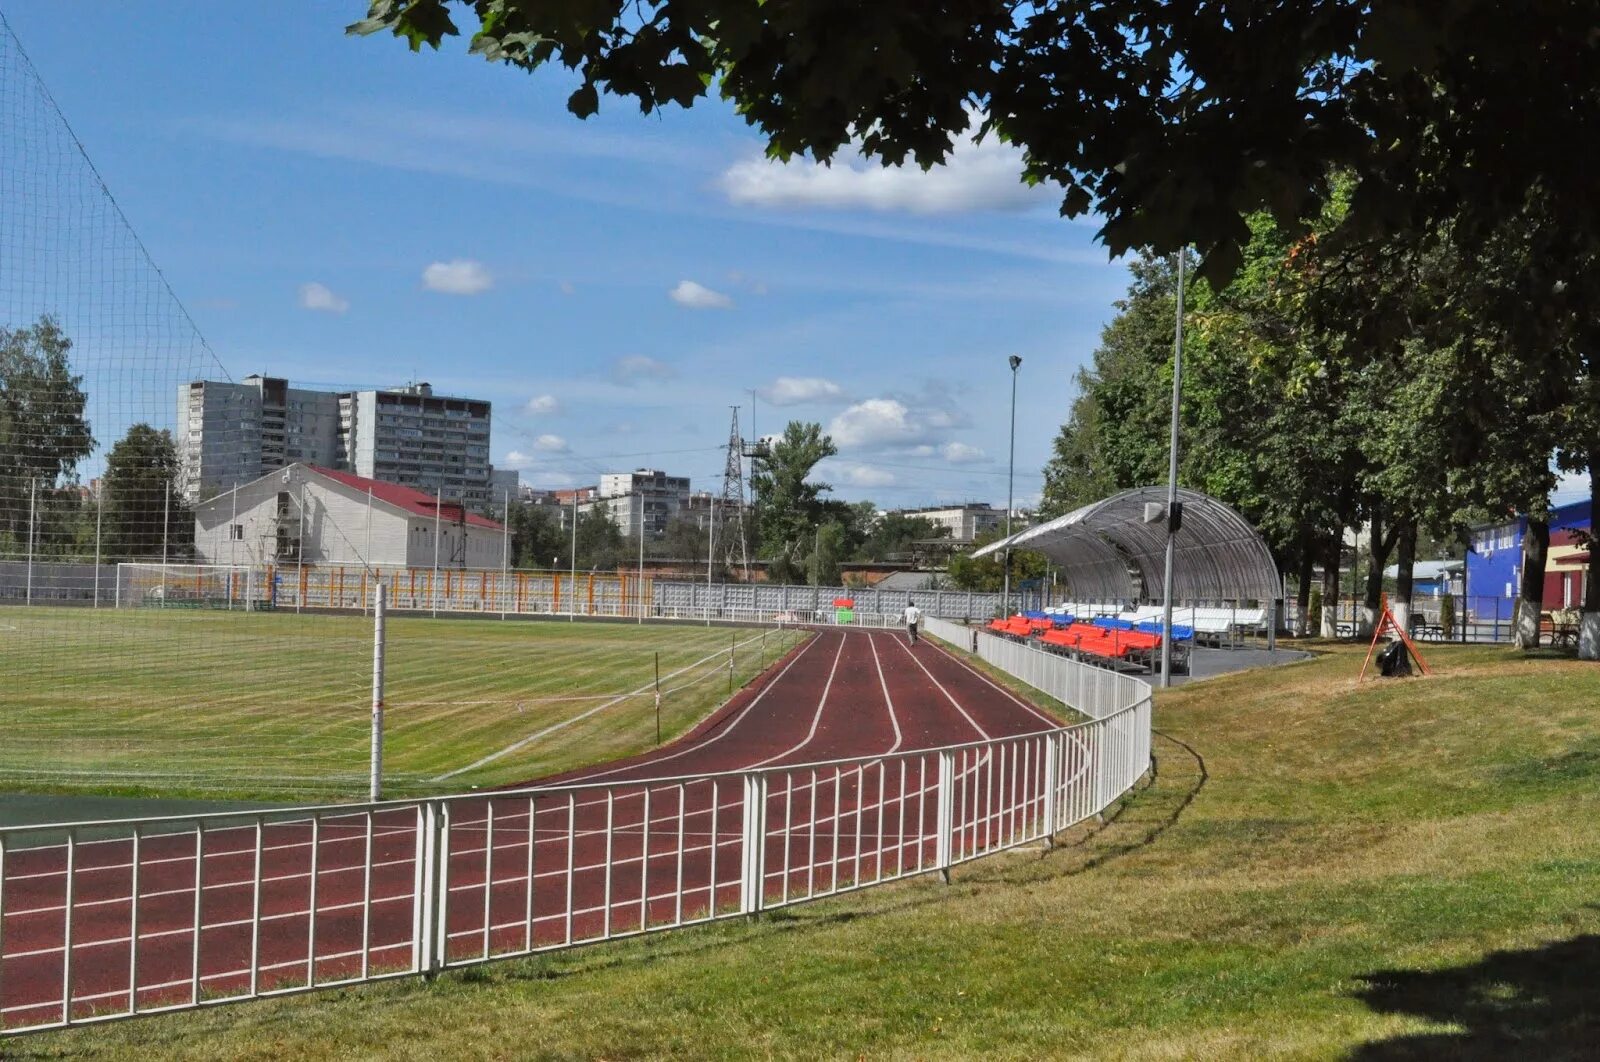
pixel 278 706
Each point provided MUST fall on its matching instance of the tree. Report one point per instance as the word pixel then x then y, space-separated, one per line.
pixel 43 432
pixel 682 540
pixel 893 536
pixel 988 573
pixel 144 514
pixel 1172 121
pixel 789 507
pixel 601 546
pixel 822 567
pixel 537 539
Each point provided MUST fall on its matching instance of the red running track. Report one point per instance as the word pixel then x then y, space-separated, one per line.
pixel 232 908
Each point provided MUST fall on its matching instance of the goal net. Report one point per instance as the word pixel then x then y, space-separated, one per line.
pixel 224 586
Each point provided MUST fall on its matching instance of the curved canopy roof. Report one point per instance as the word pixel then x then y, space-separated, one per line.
pixel 1107 550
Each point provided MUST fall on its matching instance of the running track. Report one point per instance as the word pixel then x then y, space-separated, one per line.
pixel 596 869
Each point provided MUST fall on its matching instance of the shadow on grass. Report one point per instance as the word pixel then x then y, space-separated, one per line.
pixel 1540 1003
pixel 1155 809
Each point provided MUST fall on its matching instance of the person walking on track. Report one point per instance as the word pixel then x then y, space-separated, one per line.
pixel 912 616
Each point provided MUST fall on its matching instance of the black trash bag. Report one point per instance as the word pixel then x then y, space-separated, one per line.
pixel 1393 660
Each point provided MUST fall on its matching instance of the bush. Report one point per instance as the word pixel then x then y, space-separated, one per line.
pixel 1447 615
pixel 1314 612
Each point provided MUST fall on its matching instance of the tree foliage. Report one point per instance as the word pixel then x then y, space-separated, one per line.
pixel 145 515
pixel 601 546
pixel 988 573
pixel 789 505
pixel 537 537
pixel 1173 121
pixel 43 430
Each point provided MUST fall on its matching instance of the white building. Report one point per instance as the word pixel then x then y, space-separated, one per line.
pixel 230 434
pixel 662 497
pixel 963 522
pixel 322 516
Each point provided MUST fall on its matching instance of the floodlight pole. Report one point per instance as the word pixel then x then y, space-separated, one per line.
pixel 33 520
pixel 1011 469
pixel 299 553
pixel 638 590
pixel 505 554
pixel 367 559
pixel 166 524
pixel 438 515
pixel 711 550
pixel 375 784
pixel 1172 486
pixel 99 520
pixel 572 585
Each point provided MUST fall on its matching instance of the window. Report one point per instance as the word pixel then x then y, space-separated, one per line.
pixel 236 532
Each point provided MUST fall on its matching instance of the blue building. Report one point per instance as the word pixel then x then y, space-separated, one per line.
pixel 1494 558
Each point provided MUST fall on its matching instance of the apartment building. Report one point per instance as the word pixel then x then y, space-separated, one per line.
pixel 962 522
pixel 229 434
pixel 646 494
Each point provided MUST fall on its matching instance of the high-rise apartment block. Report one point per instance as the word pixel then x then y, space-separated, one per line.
pixel 660 497
pixel 230 434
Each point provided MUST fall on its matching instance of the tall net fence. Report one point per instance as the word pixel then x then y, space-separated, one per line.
pixel 182 603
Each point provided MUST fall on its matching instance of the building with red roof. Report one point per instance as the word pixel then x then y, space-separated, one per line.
pixel 315 515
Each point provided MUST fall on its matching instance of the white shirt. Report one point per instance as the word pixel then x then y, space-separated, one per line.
pixel 911 615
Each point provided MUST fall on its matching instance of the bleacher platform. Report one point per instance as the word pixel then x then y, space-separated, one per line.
pixel 1129 638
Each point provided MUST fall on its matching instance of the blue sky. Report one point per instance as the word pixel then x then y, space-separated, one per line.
pixel 340 211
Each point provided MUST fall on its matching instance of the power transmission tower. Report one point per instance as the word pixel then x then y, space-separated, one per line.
pixel 732 503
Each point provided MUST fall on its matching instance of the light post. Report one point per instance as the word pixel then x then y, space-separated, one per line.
pixel 1011 469
pixel 1174 511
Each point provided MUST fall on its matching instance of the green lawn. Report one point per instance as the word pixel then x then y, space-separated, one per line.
pixel 1409 869
pixel 277 705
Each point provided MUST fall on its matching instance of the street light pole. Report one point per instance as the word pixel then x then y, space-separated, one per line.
pixel 1172 486
pixel 1011 469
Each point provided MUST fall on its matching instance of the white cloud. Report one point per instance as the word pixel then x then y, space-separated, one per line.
pixel 459 276
pixel 976 176
pixel 699 297
pixel 543 405
pixel 550 444
pixel 516 459
pixel 636 367
pixel 796 390
pixel 314 296
pixel 857 475
pixel 566 287
pixel 959 453
pixel 875 423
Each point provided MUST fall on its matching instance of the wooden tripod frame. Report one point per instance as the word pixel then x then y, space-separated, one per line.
pixel 1387 623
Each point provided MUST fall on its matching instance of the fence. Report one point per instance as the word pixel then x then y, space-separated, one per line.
pixel 475 591
pixel 1480 618
pixel 104 920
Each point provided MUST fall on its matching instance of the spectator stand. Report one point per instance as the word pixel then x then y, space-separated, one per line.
pixel 1111 556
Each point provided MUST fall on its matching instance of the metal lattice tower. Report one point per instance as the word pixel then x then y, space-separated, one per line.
pixel 732 503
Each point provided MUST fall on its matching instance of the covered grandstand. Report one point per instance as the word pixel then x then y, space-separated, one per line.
pixel 1114 550
pixel 1111 556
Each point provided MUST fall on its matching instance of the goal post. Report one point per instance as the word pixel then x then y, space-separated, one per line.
pixel 205 586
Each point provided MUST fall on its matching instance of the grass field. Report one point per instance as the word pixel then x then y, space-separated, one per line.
pixel 272 706
pixel 1405 870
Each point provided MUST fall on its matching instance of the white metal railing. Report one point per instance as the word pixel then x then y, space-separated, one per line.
pixel 108 919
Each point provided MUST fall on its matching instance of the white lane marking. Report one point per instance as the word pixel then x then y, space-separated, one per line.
pixel 984 734
pixel 515 745
pixel 587 777
pixel 816 718
pixel 899 738
pixel 1054 723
